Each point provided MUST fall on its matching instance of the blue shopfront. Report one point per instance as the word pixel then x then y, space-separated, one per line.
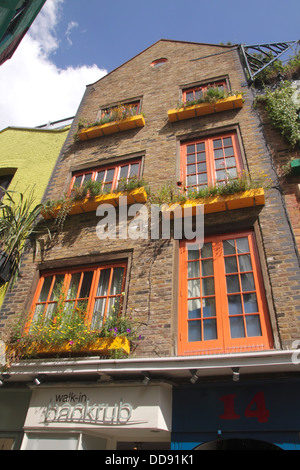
pixel 244 415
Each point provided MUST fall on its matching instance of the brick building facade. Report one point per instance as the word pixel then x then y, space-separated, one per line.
pixel 184 332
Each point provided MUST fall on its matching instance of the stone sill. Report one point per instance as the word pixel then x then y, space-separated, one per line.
pixel 201 109
pixel 249 198
pixel 90 204
pixel 111 127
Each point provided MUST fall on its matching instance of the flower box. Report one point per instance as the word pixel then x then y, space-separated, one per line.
pixel 295 167
pixel 99 347
pixel 111 127
pixel 201 109
pixel 249 198
pixel 90 204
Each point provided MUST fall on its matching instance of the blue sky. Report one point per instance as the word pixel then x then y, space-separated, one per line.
pixel 75 42
pixel 110 32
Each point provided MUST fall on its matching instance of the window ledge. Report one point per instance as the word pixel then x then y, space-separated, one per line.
pixel 101 347
pixel 201 109
pixel 111 127
pixel 249 198
pixel 90 204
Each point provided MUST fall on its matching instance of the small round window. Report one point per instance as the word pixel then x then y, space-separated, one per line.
pixel 158 63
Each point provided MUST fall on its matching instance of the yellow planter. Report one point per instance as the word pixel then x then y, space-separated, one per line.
pixel 90 204
pixel 101 347
pixel 201 109
pixel 249 198
pixel 111 127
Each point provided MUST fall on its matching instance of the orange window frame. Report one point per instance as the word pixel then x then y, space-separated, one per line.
pixel 196 92
pixel 219 320
pixel 210 160
pixel 84 176
pixel 94 293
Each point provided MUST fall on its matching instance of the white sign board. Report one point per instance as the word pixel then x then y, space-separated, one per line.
pixel 104 408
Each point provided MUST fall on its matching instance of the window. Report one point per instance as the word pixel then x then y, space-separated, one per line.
pixel 210 160
pixel 123 110
pixel 98 289
pixel 222 303
pixel 109 176
pixel 198 92
pixel 4 184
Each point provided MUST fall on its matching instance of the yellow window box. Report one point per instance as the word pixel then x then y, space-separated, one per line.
pixel 249 198
pixel 100 347
pixel 90 204
pixel 201 109
pixel 111 127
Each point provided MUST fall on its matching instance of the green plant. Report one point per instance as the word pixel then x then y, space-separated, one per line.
pixel 212 95
pixel 132 183
pixel 18 219
pixel 282 111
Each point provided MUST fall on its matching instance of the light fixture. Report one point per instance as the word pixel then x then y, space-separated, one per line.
pixel 146 379
pixel 39 379
pixel 235 374
pixel 194 377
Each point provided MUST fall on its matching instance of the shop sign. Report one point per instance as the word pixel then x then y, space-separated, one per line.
pixel 106 407
pixel 74 407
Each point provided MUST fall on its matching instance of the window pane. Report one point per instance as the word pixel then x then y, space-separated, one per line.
pixel 228 246
pixel 193 270
pixel 110 174
pixel 193 252
pixel 206 250
pixel 117 280
pixel 190 169
pixel 58 286
pixel 73 286
pixel 209 307
pixel 207 267
pixel 220 164
pixel 227 141
pixel 228 151
pixel 45 289
pixel 124 172
pixel 247 282
pixel 233 284
pixel 103 283
pixel 208 286
pixel 209 329
pixel 201 167
pixel 190 158
pixel 198 94
pixel 190 148
pixel 201 147
pixel 87 177
pixel 98 314
pixel 235 305
pixel 245 263
pixel 217 143
pixel 221 175
pixel 231 265
pixel 250 303
pixel 194 309
pixel 194 288
pixel 100 176
pixel 230 162
pixel 86 285
pixel 77 182
pixel 232 172
pixel 242 245
pixel 202 178
pixel 237 329
pixel 189 96
pixel 134 170
pixel 253 325
pixel 194 330
pixel 218 153
pixel 191 180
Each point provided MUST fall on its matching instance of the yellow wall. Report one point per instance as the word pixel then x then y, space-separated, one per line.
pixel 33 152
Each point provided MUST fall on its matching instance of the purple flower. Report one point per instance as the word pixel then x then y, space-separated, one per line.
pixel 128 330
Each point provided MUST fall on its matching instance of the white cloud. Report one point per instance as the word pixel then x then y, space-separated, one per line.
pixel 33 90
pixel 71 25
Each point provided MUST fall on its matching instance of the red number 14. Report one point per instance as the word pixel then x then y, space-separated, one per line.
pixel 255 409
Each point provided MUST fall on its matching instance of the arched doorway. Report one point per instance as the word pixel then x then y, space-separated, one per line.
pixel 237 444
